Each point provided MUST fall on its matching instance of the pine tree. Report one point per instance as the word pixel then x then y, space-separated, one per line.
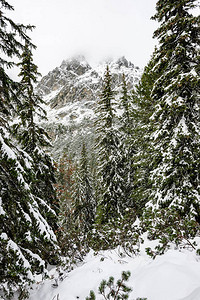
pixel 110 194
pixel 27 242
pixel 127 148
pixel 176 119
pixel 34 138
pixel 84 204
pixel 111 290
pixel 143 106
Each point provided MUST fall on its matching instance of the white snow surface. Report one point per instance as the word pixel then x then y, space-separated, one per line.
pixel 172 276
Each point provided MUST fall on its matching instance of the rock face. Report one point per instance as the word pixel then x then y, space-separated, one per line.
pixel 71 92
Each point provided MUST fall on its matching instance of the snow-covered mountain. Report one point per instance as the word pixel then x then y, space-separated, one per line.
pixel 71 92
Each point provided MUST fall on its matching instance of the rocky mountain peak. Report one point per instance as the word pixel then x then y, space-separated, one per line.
pixel 71 92
pixel 76 64
pixel 75 81
pixel 123 62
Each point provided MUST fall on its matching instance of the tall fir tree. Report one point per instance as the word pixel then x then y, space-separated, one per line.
pixel 176 120
pixel 26 239
pixel 143 106
pixel 127 147
pixel 109 173
pixel 84 202
pixel 33 138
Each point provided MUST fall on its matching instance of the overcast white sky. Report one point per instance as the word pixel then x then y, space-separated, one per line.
pixel 94 28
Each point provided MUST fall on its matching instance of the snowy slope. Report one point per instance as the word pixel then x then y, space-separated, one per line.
pixel 172 276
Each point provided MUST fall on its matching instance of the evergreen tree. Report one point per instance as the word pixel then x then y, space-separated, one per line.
pixel 143 106
pixel 76 206
pixel 64 186
pixel 67 233
pixel 176 119
pixel 27 242
pixel 84 204
pixel 34 138
pixel 110 179
pixel 127 147
pixel 111 290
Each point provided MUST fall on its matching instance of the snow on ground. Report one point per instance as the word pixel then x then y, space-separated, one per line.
pixel 172 276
